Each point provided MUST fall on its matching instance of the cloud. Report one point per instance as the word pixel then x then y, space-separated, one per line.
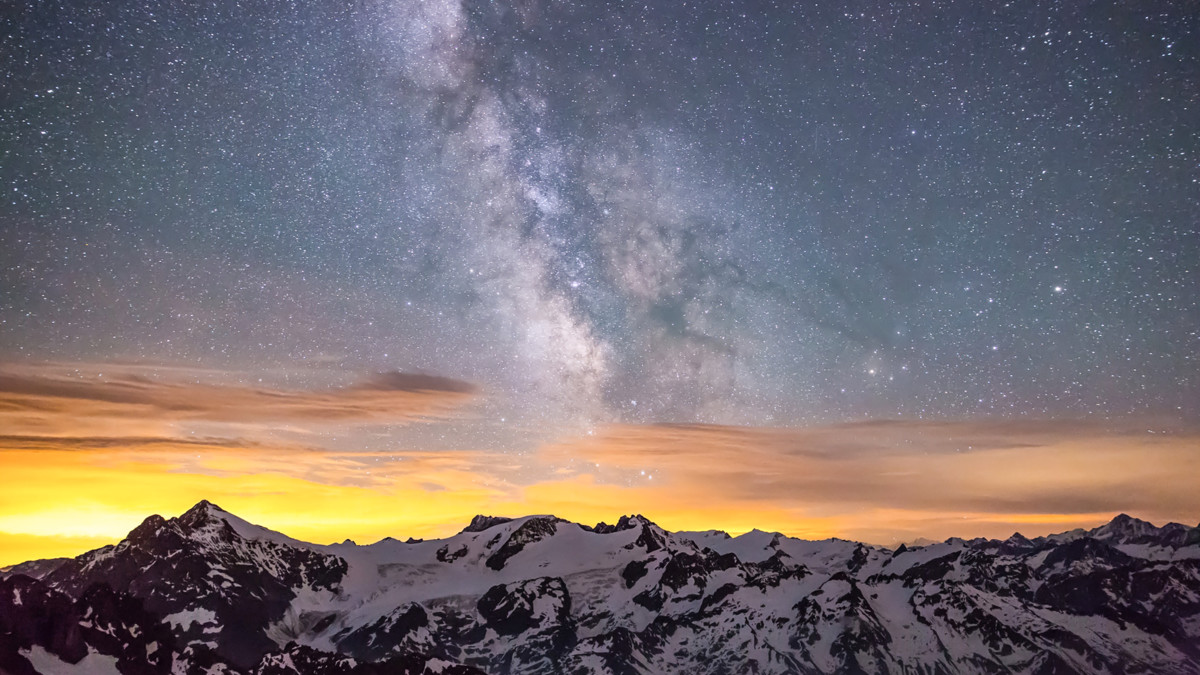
pixel 45 401
pixel 887 480
pixel 415 382
pixel 84 458
pixel 87 458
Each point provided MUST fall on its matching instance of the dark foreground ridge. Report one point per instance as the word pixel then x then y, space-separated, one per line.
pixel 209 593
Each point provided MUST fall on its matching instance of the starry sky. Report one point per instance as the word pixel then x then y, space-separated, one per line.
pixel 608 235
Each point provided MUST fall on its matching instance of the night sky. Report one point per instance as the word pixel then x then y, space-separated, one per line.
pixel 611 215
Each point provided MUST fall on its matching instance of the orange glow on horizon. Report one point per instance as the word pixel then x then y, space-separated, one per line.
pixel 62 502
pixel 84 462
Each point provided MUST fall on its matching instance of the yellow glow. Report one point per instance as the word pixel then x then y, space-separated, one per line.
pixel 73 494
pixel 676 508
pixel 21 547
pixel 881 483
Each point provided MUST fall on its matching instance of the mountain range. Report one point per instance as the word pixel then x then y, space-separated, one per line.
pixel 210 593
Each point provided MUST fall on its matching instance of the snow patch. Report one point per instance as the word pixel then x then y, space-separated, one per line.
pixel 184 620
pixel 48 664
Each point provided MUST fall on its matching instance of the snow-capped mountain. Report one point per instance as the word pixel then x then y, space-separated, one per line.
pixel 208 592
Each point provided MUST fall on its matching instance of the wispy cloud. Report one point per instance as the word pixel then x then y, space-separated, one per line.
pixel 84 459
pixel 44 401
pixel 889 480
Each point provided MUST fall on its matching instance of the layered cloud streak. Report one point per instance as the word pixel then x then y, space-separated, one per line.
pixel 45 401
pixel 85 459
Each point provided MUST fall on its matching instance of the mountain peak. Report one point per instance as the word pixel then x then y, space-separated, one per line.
pixel 625 523
pixel 208 519
pixel 481 522
pixel 148 529
pixel 203 512
pixel 498 600
pixel 1016 542
pixel 1125 520
pixel 1124 528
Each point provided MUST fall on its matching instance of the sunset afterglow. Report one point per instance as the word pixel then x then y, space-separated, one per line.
pixel 886 481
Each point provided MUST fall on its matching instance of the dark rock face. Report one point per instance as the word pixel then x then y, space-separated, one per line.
pixel 209 593
pixel 624 523
pixel 444 554
pixel 101 621
pixel 31 613
pixel 636 569
pixel 481 523
pixel 117 624
pixel 513 609
pixel 296 659
pixel 619 652
pixel 199 561
pixel 532 530
pixel 199 565
pixel 376 640
pixel 930 571
pixel 685 569
pixel 34 568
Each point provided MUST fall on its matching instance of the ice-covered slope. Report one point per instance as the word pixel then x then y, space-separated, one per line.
pixel 543 595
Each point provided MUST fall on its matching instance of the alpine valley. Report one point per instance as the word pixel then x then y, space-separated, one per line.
pixel 208 592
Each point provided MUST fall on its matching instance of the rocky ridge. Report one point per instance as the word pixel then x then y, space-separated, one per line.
pixel 208 592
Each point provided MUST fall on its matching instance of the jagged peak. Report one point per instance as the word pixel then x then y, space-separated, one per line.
pixel 638 520
pixel 206 516
pixel 1087 549
pixel 1017 543
pixel 481 522
pixel 761 538
pixel 395 603
pixel 204 507
pixel 624 523
pixel 1124 526
pixel 1019 539
pixel 150 528
pixel 202 514
pixel 1126 521
pixel 530 530
pixel 1126 529
pixel 541 525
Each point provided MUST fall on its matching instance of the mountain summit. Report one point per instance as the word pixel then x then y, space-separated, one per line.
pixel 208 592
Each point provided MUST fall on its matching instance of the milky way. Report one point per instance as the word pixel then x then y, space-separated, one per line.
pixel 736 213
